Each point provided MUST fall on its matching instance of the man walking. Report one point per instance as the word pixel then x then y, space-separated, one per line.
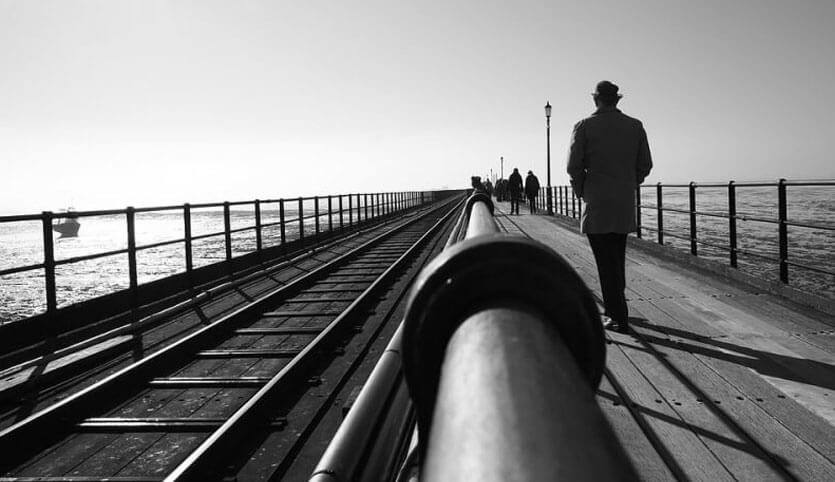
pixel 514 185
pixel 531 190
pixel 609 157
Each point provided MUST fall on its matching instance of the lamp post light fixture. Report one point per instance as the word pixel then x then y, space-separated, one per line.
pixel 548 141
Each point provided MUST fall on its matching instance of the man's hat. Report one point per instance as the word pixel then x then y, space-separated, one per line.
pixel 607 89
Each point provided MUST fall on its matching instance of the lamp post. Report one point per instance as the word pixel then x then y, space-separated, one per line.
pixel 548 141
pixel 501 160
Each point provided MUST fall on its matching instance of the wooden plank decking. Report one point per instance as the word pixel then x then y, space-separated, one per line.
pixel 717 380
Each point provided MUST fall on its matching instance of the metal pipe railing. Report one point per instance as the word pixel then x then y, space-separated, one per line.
pixel 681 200
pixel 373 439
pixel 515 406
pixel 502 373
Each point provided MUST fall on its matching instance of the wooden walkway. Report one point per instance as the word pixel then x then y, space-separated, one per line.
pixel 716 381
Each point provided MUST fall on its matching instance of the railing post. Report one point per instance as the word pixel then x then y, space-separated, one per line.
pixel 783 230
pixel 281 224
pixel 573 205
pixel 365 204
pixel 227 231
pixel 732 222
pixel 258 240
pixel 359 208
pixel 49 262
pixel 565 200
pixel 693 246
pixel 350 211
pixel 341 218
pixel 565 190
pixel 330 213
pixel 660 206
pixel 187 237
pixel 130 216
pixel 638 211
pixel 316 213
pixel 301 218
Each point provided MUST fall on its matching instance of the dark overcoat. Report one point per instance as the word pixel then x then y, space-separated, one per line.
pixel 514 185
pixel 609 157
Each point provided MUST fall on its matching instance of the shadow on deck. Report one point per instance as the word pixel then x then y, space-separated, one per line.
pixel 716 380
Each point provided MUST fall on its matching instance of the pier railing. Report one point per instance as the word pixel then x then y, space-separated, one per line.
pixel 501 348
pixel 707 217
pixel 299 221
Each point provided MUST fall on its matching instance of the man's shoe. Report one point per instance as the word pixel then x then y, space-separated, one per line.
pixel 618 326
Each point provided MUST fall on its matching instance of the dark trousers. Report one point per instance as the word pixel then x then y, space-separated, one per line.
pixel 514 203
pixel 532 204
pixel 610 254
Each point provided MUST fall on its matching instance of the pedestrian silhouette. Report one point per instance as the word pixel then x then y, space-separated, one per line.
pixel 514 185
pixel 609 157
pixel 531 190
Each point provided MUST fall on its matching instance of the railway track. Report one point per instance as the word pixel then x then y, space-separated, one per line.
pixel 237 399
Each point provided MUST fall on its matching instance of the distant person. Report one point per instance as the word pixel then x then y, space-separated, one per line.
pixel 609 157
pixel 514 186
pixel 531 190
pixel 488 186
pixel 477 185
pixel 501 189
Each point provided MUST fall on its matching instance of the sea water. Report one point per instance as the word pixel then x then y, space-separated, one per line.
pixel 21 243
pixel 808 246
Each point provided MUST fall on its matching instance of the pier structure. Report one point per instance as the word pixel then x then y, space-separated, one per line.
pixel 719 378
pixel 297 371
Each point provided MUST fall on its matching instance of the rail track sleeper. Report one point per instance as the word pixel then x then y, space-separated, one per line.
pixel 279 314
pixel 159 424
pixel 208 382
pixel 369 265
pixel 281 330
pixel 355 279
pixel 350 271
pixel 248 353
pixel 363 276
pixel 139 424
pixel 333 290
pixel 319 300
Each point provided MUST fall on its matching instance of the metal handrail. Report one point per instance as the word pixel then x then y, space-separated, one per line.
pixel 546 330
pixel 328 215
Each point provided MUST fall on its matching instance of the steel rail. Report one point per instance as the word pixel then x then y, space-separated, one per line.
pixel 196 465
pixel 355 441
pixel 205 292
pixel 29 433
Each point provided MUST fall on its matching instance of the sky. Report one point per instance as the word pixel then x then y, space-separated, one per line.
pixel 109 103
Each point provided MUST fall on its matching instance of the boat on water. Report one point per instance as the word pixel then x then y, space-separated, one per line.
pixel 68 227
